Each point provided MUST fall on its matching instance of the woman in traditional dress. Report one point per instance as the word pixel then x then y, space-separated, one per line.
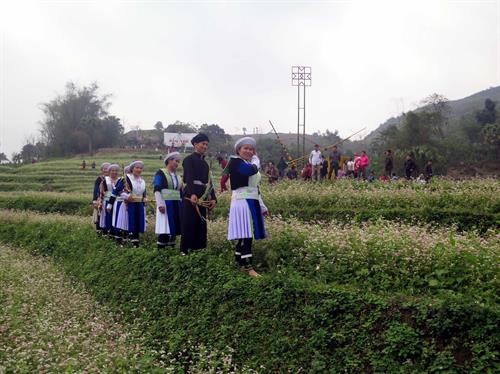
pixel 246 214
pixel 106 189
pixel 116 206
pixel 136 202
pixel 199 190
pixel 167 186
pixel 134 195
pixel 96 201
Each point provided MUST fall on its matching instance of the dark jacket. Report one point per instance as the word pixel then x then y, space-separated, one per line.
pixel 240 171
pixel 410 165
pixel 388 163
pixel 196 175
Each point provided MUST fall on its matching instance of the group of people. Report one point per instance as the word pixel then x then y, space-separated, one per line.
pixel 83 165
pixel 410 168
pixel 334 166
pixel 320 167
pixel 182 203
pixel 119 202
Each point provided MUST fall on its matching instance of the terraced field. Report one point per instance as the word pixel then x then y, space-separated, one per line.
pixel 358 277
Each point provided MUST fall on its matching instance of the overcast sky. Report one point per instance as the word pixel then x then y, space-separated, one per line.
pixel 230 62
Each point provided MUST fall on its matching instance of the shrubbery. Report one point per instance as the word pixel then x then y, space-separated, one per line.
pixel 359 277
pixel 313 310
pixel 464 204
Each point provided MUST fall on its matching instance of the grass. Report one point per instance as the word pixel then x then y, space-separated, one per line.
pixel 465 205
pixel 381 277
pixel 378 297
pixel 50 324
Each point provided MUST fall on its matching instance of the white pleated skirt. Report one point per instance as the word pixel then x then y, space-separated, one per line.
pixel 102 217
pixel 240 220
pixel 162 225
pixel 122 217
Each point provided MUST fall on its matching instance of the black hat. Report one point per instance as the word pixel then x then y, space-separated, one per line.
pixel 199 138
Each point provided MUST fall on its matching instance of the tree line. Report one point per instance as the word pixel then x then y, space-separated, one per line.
pixel 78 121
pixel 430 134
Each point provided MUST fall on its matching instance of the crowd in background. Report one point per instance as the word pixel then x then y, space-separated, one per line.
pixel 331 165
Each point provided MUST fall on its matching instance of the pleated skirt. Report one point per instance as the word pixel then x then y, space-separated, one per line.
pixel 102 217
pixel 105 218
pixel 170 222
pixel 136 217
pixel 246 220
pixel 121 215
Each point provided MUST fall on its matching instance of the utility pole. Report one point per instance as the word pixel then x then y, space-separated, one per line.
pixel 301 77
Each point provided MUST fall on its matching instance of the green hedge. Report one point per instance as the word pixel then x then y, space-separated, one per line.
pixel 44 202
pixel 281 322
pixel 463 219
pixel 307 211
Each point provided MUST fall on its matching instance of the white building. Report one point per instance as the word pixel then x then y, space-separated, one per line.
pixel 178 140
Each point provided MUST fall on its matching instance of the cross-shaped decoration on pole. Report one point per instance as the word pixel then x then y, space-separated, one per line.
pixel 301 75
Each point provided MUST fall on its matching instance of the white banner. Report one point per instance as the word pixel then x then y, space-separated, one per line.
pixel 178 140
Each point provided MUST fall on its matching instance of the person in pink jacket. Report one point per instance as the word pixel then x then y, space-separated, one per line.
pixel 364 161
pixel 356 165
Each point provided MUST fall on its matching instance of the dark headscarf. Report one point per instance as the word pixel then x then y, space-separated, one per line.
pixel 199 138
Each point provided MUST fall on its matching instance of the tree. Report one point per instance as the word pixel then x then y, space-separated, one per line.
pixel 488 114
pixel 472 130
pixel 88 126
pixel 329 137
pixel 110 132
pixel 212 129
pixel 421 133
pixel 219 140
pixel 417 129
pixel 389 138
pixel 269 150
pixel 179 126
pixel 75 121
pixel 159 126
pixel 3 157
pixel 16 158
pixel 436 103
pixel 437 110
pixel 159 132
pixel 28 153
pixel 491 134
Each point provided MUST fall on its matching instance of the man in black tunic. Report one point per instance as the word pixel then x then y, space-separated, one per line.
pixel 335 157
pixel 197 184
pixel 410 166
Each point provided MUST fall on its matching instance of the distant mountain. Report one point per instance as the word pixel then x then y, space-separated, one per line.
pixel 465 107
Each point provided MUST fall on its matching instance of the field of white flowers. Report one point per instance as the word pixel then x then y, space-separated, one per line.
pixel 409 271
pixel 48 323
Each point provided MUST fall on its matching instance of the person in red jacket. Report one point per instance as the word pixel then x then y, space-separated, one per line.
pixel 364 161
pixel 306 172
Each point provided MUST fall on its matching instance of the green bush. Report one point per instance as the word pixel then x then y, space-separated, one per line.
pixel 46 202
pixel 365 207
pixel 282 322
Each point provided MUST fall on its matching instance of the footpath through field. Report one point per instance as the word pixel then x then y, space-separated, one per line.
pixel 49 324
